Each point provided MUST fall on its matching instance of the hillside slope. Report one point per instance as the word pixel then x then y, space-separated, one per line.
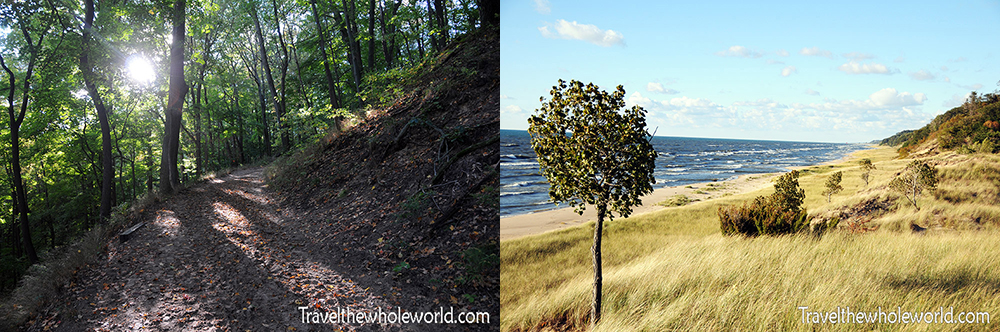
pixel 410 194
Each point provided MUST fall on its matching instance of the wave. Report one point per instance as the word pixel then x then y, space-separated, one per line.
pixel 520 164
pixel 516 193
pixel 507 145
pixel 733 166
pixel 523 184
pixel 516 156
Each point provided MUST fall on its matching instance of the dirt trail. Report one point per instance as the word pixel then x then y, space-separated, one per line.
pixel 220 256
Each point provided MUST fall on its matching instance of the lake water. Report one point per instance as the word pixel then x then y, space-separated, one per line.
pixel 680 161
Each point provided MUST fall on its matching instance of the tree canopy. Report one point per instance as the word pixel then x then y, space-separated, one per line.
pixel 87 87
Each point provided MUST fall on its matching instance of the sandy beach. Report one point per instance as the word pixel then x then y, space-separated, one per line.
pixel 544 221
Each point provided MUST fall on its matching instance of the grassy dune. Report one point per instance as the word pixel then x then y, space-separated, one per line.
pixel 673 270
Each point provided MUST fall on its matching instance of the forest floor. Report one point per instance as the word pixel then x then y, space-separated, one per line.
pixel 224 255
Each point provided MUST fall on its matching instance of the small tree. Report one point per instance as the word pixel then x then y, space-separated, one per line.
pixel 916 177
pixel 833 185
pixel 593 151
pixel 866 169
pixel 788 193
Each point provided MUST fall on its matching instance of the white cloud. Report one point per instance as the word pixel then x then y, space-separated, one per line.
pixel 955 101
pixel 543 7
pixel 812 92
pixel 881 114
pixel 944 68
pixel 947 79
pixel 739 51
pixel 922 75
pixel 586 32
pixel 774 62
pixel 888 97
pixel 899 59
pixel 976 86
pixel 858 56
pixel 505 97
pixel 781 52
pixel 788 71
pixel 657 87
pixel 815 51
pixel 959 59
pixel 513 109
pixel 865 68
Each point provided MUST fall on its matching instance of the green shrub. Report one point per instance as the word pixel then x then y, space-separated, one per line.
pixel 764 215
pixel 779 213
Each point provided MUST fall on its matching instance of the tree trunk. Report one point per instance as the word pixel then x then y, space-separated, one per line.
pixel 169 176
pixel 21 203
pixel 595 313
pixel 440 12
pixel 389 34
pixel 431 26
pixel 489 13
pixel 280 103
pixel 350 38
pixel 267 72
pixel 371 34
pixel 330 86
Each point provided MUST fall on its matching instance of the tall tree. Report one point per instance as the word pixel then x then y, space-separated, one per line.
pixel 593 150
pixel 280 100
pixel 330 85
pixel 16 119
pixel 441 16
pixel 371 34
pixel 169 176
pixel 89 78
pixel 267 69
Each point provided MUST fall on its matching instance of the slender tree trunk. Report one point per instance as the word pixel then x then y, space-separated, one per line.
pixel 595 313
pixel 107 192
pixel 432 26
pixel 371 34
pixel 20 201
pixel 267 72
pixel 349 38
pixel 441 13
pixel 169 175
pixel 330 86
pixel 389 48
pixel 280 103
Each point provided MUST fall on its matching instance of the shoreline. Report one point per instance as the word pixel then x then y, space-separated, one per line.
pixel 521 225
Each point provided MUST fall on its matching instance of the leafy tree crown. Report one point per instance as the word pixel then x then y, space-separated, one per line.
pixel 592 149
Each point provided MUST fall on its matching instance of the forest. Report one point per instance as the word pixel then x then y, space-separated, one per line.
pixel 109 101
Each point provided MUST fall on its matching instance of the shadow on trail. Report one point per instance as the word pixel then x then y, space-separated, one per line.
pixel 219 256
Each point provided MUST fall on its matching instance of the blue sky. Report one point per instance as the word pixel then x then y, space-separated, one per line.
pixel 821 71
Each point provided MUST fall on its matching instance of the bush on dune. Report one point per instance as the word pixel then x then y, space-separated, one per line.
pixel 779 213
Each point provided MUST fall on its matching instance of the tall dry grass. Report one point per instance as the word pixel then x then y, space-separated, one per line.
pixel 672 270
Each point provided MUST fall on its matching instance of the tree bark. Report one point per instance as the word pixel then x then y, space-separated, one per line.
pixel 431 25
pixel 371 34
pixel 20 202
pixel 169 176
pixel 107 166
pixel 349 36
pixel 440 12
pixel 595 313
pixel 330 86
pixel 280 103
pixel 267 72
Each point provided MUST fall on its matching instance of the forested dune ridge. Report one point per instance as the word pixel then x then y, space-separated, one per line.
pixel 347 175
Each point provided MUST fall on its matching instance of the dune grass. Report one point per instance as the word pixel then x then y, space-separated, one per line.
pixel 673 270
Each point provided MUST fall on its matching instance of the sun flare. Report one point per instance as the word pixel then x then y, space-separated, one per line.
pixel 140 70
